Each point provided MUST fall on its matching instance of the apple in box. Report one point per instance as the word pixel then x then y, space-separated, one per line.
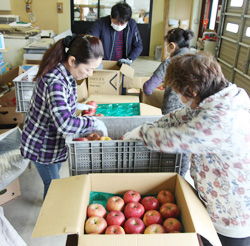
pixel 90 111
pixel 134 226
pixel 80 139
pixel 152 217
pixel 150 203
pixel 131 196
pixel 93 137
pixel 165 196
pixel 103 138
pixel 134 209
pixel 154 229
pixel 115 218
pixel 172 225
pixel 169 210
pixel 115 203
pixel 96 209
pixel 96 225
pixel 114 229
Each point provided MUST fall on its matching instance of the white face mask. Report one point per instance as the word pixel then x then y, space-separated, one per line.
pixel 118 28
pixel 186 104
pixel 169 53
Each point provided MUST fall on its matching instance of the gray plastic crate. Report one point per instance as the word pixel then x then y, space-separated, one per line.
pixel 24 86
pixel 118 156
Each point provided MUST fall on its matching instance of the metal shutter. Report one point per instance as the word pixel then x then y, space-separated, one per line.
pixel 233 48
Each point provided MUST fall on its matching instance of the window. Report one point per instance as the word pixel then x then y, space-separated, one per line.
pixel 231 27
pixel 236 3
pixel 248 32
pixel 213 14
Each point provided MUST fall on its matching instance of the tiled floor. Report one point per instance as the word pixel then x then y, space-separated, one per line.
pixel 23 211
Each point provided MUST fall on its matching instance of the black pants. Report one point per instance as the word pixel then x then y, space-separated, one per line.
pixel 229 241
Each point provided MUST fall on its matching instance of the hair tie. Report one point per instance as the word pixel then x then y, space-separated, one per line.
pixel 67 41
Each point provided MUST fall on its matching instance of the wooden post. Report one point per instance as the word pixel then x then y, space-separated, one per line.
pixel 165 28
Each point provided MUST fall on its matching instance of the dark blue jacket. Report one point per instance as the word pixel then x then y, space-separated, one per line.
pixel 132 40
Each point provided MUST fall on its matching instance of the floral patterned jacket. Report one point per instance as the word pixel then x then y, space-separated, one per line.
pixel 217 135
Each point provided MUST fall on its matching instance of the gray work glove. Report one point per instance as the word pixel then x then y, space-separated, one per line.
pixel 124 61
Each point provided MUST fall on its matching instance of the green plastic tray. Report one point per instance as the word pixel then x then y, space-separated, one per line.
pixel 119 109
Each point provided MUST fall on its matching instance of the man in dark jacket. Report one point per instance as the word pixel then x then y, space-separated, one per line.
pixel 119 34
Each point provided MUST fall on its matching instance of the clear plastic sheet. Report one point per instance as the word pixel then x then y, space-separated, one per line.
pixel 12 164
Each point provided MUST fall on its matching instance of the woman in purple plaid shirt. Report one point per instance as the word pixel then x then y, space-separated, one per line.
pixel 52 111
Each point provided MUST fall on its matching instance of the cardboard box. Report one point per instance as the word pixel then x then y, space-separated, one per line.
pixel 155 99
pixel 82 90
pixel 109 80
pixel 144 108
pixel 10 192
pixel 10 118
pixel 70 197
pixel 7 78
pixel 31 62
pixel 4 67
pixel 8 99
pixel 101 99
pixel 136 82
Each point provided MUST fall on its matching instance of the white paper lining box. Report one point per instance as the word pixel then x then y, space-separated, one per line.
pixel 70 197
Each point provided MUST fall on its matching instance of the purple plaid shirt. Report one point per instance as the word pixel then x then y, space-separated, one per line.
pixel 51 115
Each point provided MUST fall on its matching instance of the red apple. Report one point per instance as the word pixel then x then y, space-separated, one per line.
pixel 93 136
pixel 115 218
pixel 121 138
pixel 80 139
pixel 169 210
pixel 165 196
pixel 96 225
pixel 172 225
pixel 154 229
pixel 152 217
pixel 150 203
pixel 115 203
pixel 114 229
pixel 96 209
pixel 131 196
pixel 134 226
pixel 90 111
pixel 134 209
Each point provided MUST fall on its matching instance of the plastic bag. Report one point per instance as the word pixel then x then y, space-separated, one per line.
pixel 12 163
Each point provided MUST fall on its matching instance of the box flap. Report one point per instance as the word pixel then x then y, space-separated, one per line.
pixel 64 208
pixel 149 110
pixel 127 71
pixel 101 99
pixel 178 239
pixel 201 220
pixel 155 99
pixel 10 116
pixel 82 90
pixel 9 76
pixel 119 183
